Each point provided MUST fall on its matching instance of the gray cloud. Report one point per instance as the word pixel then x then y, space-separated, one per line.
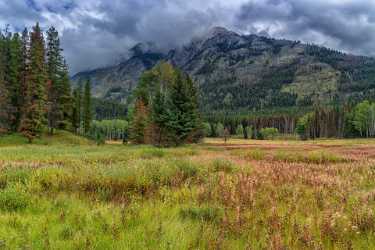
pixel 342 24
pixel 96 33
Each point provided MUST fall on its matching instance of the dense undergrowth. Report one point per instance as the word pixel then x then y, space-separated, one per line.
pixel 60 196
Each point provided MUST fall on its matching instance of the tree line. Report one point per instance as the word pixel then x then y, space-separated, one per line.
pixel 35 90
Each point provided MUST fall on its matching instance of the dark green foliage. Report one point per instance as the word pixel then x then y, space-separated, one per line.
pixel 109 110
pixel 13 76
pixel 77 109
pixel 5 95
pixel 65 98
pixel 33 119
pixel 171 98
pixel 58 87
pixel 34 83
pixel 87 107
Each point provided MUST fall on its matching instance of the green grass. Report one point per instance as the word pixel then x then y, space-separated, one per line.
pixel 67 193
pixel 59 138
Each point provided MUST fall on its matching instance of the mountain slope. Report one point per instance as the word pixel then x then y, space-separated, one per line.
pixel 247 71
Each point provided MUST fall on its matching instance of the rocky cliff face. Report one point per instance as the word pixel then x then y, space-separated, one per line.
pixel 247 72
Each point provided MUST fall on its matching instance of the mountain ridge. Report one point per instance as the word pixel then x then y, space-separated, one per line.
pixel 252 71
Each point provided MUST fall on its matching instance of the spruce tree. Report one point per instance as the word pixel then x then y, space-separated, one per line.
pixel 87 113
pixel 33 119
pixel 182 109
pixel 139 123
pixel 13 76
pixel 77 109
pixel 25 52
pixel 54 87
pixel 5 98
pixel 172 98
pixel 65 98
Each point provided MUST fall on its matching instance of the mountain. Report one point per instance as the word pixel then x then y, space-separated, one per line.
pixel 247 71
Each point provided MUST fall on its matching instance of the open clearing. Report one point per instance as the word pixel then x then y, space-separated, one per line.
pixel 240 195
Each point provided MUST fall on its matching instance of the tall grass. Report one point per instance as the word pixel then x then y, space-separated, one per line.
pixel 139 197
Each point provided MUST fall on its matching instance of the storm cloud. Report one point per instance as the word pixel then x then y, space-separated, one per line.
pixel 97 33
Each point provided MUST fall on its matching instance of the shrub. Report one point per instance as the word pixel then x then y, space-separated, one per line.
pixel 269 133
pixel 187 168
pixel 13 199
pixel 239 130
pixel 220 130
pixel 207 129
pixel 222 165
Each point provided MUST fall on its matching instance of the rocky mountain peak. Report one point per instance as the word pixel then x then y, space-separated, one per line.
pixel 144 48
pixel 257 71
pixel 216 31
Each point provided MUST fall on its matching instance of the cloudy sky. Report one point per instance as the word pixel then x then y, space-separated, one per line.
pixel 96 33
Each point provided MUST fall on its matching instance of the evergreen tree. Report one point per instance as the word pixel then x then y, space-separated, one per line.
pixel 159 117
pixel 13 76
pixel 65 97
pixel 25 62
pixel 33 119
pixel 171 97
pixel 87 113
pixel 139 123
pixel 54 86
pixel 77 109
pixel 5 98
pixel 180 119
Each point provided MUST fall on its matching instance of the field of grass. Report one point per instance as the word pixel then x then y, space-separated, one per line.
pixel 67 193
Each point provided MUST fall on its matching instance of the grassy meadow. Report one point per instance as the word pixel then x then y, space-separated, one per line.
pixel 67 193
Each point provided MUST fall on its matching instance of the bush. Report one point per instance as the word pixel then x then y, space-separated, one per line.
pixel 187 168
pixel 269 133
pixel 207 129
pixel 239 130
pixel 13 199
pixel 222 165
pixel 220 130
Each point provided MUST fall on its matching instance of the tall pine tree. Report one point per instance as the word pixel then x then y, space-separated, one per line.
pixel 172 98
pixel 25 62
pixel 87 113
pixel 65 98
pixel 54 86
pixel 13 75
pixel 76 117
pixel 5 97
pixel 33 119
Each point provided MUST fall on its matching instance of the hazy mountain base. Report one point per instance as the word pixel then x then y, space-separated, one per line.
pixel 252 72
